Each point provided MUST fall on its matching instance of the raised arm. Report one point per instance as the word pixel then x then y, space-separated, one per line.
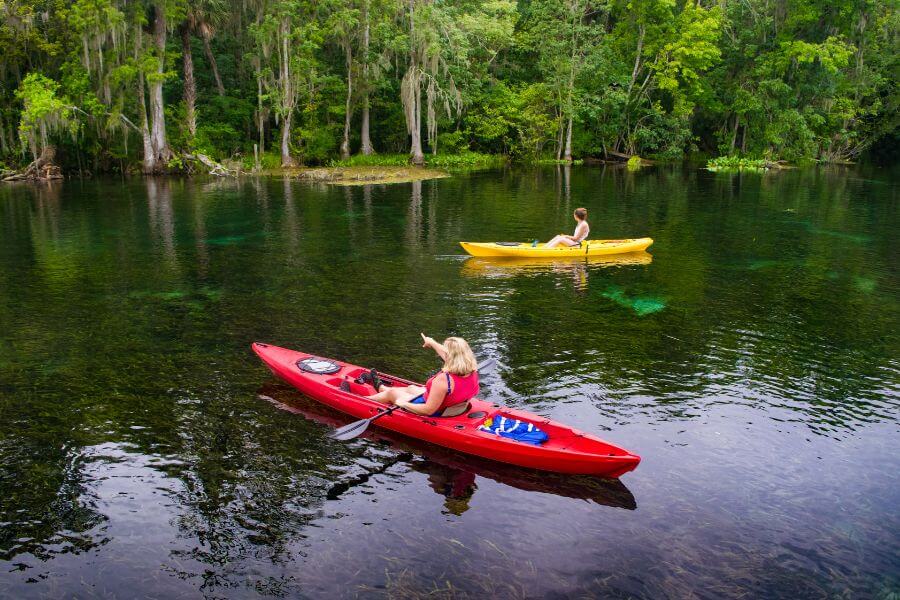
pixel 428 342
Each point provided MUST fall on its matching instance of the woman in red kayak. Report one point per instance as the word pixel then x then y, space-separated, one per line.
pixel 455 383
pixel 582 230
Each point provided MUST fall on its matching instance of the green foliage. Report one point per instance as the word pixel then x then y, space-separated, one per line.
pixel 175 163
pixel 222 126
pixel 553 161
pixel 44 112
pixel 373 160
pixel 655 78
pixel 267 160
pixel 462 160
pixel 452 142
pixel 737 163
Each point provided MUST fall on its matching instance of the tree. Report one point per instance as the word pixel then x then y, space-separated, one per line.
pixel 562 33
pixel 289 34
pixel 44 112
pixel 343 25
pixel 806 80
pixel 200 16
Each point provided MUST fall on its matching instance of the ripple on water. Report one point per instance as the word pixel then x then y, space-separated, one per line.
pixel 763 396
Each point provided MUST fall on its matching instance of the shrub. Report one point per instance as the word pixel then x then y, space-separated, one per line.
pixel 737 163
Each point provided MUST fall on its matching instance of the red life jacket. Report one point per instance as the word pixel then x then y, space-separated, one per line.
pixel 461 388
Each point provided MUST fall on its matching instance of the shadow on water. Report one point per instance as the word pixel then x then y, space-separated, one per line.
pixel 451 474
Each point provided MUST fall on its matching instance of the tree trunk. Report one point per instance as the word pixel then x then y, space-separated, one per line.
pixel 734 133
pixel 212 64
pixel 149 155
pixel 345 143
pixel 568 154
pixel 149 165
pixel 415 149
pixel 190 87
pixel 366 148
pixel 287 97
pixel 560 131
pixel 286 159
pixel 415 126
pixel 157 105
pixel 637 60
pixel 260 110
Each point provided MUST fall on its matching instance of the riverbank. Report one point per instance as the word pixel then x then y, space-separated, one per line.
pixel 359 175
pixel 382 168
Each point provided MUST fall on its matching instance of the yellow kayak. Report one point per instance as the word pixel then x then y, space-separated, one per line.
pixel 587 248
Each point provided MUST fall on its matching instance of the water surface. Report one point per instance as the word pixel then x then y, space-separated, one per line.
pixel 750 357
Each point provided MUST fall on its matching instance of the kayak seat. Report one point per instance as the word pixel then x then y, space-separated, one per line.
pixel 457 409
pixel 508 243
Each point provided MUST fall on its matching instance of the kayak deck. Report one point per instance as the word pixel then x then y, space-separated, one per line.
pixel 567 450
pixel 587 248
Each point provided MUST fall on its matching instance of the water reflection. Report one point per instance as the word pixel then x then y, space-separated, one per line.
pixel 450 474
pixel 759 379
pixel 162 215
pixel 513 266
pixel 571 270
pixel 291 218
pixel 414 220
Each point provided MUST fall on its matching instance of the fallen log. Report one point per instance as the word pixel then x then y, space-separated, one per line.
pixel 41 169
pixel 215 168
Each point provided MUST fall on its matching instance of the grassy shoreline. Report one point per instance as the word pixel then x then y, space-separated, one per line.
pixel 359 175
pixel 386 168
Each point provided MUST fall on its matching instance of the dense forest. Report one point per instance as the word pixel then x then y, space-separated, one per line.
pixel 139 84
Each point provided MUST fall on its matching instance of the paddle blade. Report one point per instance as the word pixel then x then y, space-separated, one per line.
pixel 348 432
pixel 486 364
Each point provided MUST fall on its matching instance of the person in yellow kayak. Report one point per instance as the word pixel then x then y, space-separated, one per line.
pixel 456 383
pixel 582 231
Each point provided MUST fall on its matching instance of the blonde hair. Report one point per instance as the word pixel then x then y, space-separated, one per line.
pixel 460 359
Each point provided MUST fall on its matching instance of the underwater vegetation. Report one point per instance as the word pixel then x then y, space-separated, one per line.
pixel 642 305
pixel 864 284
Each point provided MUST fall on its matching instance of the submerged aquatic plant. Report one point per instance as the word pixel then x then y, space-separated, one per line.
pixel 642 305
pixel 864 284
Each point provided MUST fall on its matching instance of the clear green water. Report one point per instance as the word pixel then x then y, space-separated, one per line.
pixel 752 361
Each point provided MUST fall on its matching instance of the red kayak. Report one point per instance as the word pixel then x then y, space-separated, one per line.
pixel 566 450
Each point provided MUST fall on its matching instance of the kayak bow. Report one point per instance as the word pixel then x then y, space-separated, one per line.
pixel 566 451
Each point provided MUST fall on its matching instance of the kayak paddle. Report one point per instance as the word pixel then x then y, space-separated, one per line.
pixel 357 428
